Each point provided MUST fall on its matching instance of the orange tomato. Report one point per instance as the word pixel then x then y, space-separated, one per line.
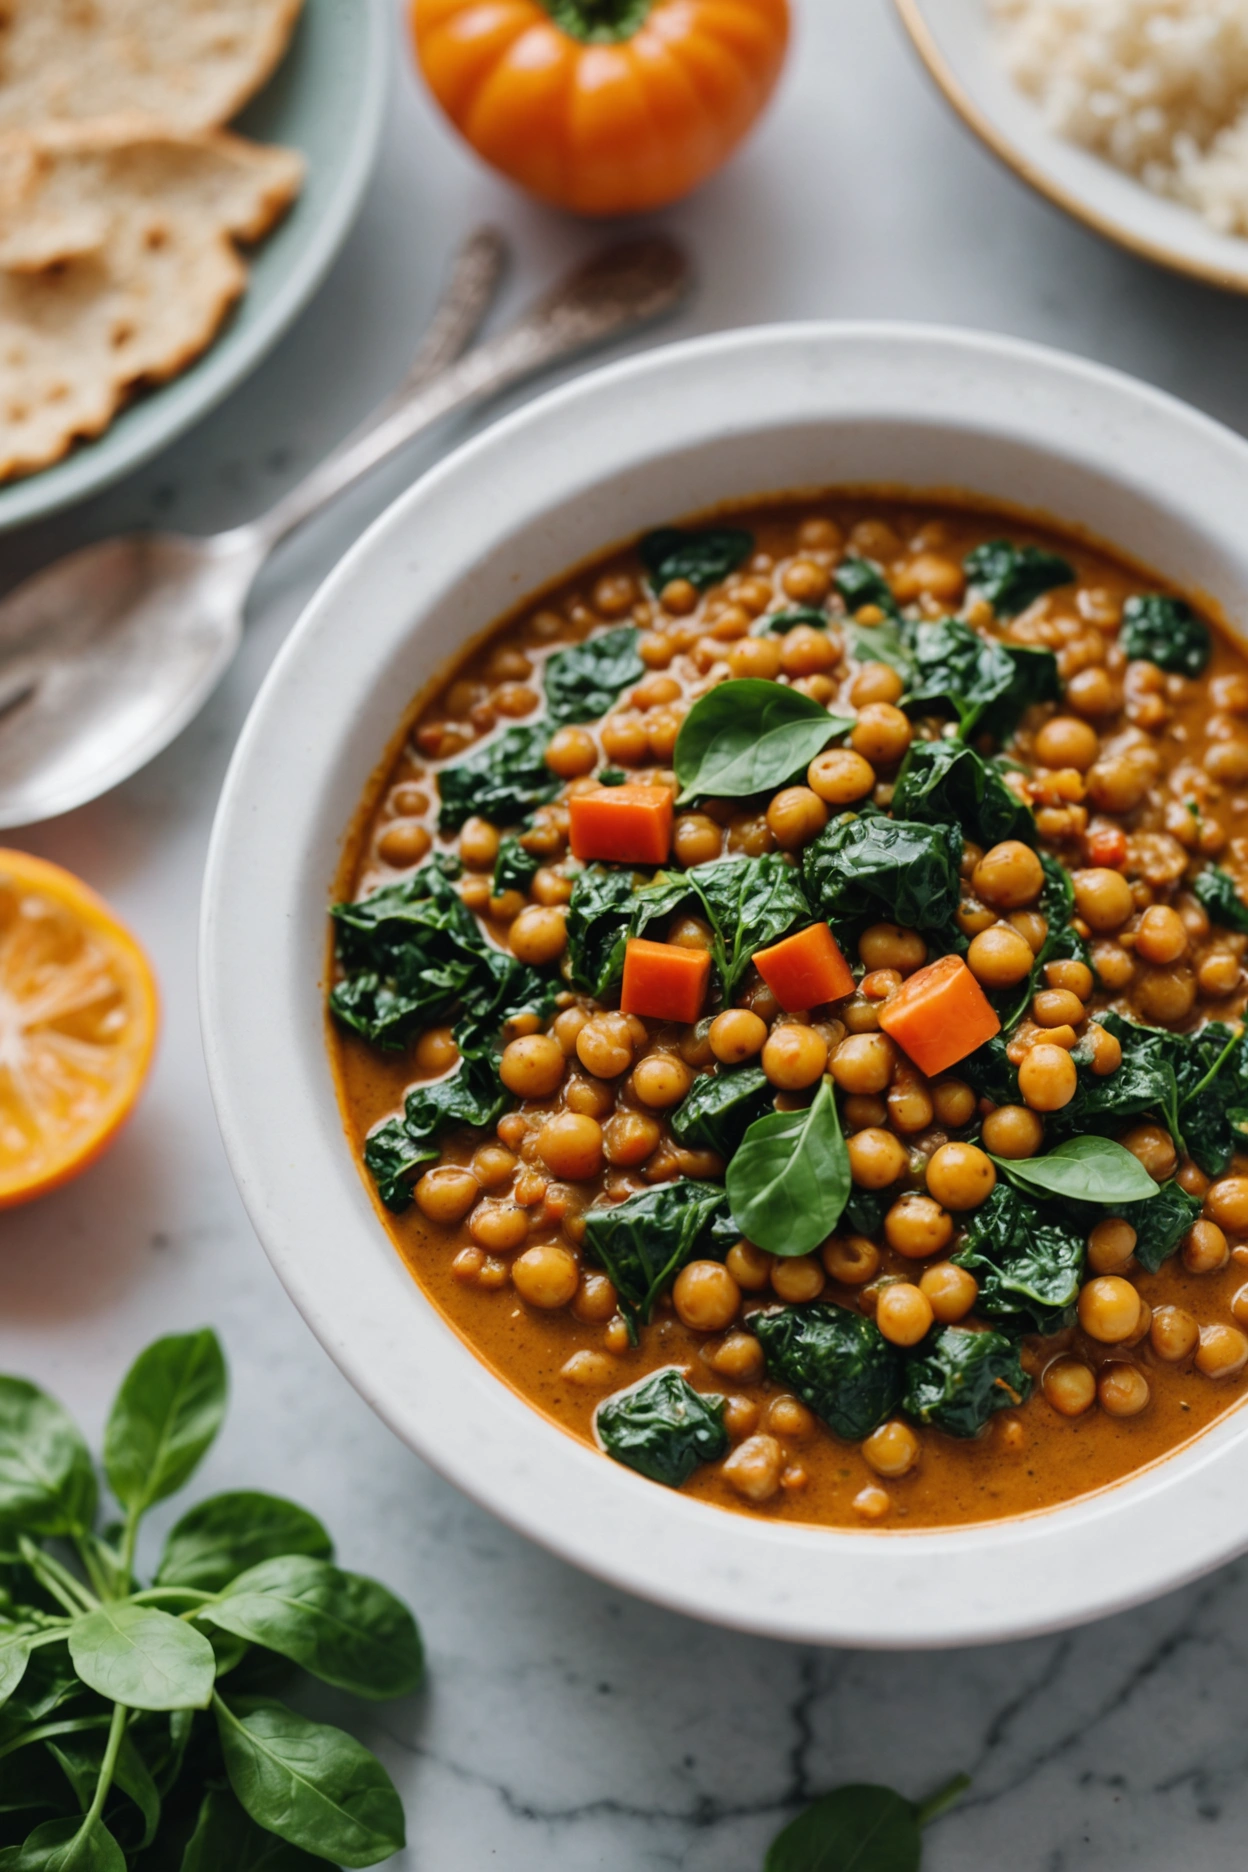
pixel 78 1014
pixel 602 106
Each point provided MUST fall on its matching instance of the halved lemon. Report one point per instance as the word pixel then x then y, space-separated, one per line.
pixel 78 1016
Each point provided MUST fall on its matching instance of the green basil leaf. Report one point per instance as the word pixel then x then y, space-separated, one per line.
pixel 143 1658
pixel 1219 893
pixel 837 1362
pixel 66 1846
pixel 662 1427
pixel 858 1828
pixel 1012 577
pixel 1085 1169
pixel 344 1628
pixel 47 1482
pixel 165 1417
pixel 226 1534
pixel 228 1840
pixel 1166 631
pixel 314 1786
pixel 789 1182
pixel 749 736
pixel 703 556
pixel 584 681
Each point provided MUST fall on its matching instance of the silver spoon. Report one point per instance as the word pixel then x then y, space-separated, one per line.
pixel 107 654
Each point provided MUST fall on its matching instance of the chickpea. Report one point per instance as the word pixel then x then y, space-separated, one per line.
pixel 588 1098
pixel 796 815
pixel 909 1104
pixel 1103 898
pixel 864 1062
pixel 953 1103
pixel 403 843
pixel 876 682
pixel 1065 741
pixel 1227 761
pixel 1161 935
pixel 1111 1246
pixel 1172 1333
pixel 806 582
pixel 661 1080
pixel 872 1503
pixel 1032 927
pixel 755 656
pixel 546 1276
pixel 1117 784
pixel 1123 1390
pixel 446 1193
pixel 999 957
pixel 570 752
pixel 515 699
pixel 876 1158
pixel 705 1296
pixel 885 946
pixel 436 1051
pixel 1239 1305
pixel 800 1277
pixel 492 1165
pixel 695 1042
pixel 478 844
pixel 1227 1203
pixel 691 932
pixel 1009 876
pixel 570 1145
pixel 1219 974
pixel 604 1045
pixel 892 1450
pixel 1047 1078
pixel 1071 977
pixel 1194 1181
pixel 794 1057
pixel 629 1138
pixel 754 1467
pixel 840 776
pixel 506 907
pixel 881 734
pixel 1154 1148
pixel 1109 1309
pixel 950 1291
pixel 1013 1131
pixel 749 1266
pixel 595 1301
pixel 625 740
pixel 917 1227
pixel 1205 1249
pixel 1223 1351
pixel 789 1418
pixel 1094 692
pixel 738 1357
pixel 750 834
pixel 860 1015
pixel 550 886
pixel 1166 995
pixel 862 1111
pixel 852 1260
pixel 960 1176
pixel 805 651
pixel 696 839
pixel 736 1035
pixel 498 1227
pixel 903 1314
pixel 532 1067
pixel 539 934
pixel 1057 1007
pixel 1069 1386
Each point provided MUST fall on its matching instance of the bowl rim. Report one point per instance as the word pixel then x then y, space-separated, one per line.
pixel 276 843
pixel 93 465
pixel 927 43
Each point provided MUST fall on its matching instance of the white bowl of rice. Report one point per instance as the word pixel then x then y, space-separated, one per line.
pixel 1130 114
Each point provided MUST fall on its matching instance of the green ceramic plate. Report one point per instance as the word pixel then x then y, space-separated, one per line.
pixel 327 99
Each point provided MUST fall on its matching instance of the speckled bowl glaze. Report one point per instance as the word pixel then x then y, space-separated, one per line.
pixel 666 434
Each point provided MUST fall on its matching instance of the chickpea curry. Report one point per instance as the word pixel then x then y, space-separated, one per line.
pixel 786 998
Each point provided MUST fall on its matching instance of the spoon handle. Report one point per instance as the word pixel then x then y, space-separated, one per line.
pixel 620 288
pixel 476 272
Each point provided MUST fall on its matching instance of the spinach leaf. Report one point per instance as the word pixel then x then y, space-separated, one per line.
pixel 502 780
pixel 500 989
pixel 1084 1169
pixel 142 1657
pixel 1165 631
pixel 986 684
pixel 1028 1262
pixel 1211 1073
pixel 868 866
pixel 585 680
pixel 704 555
pixel 957 1378
pixel 859 1828
pixel 225 1836
pixel 1217 890
pixel 409 951
pixel 989 1072
pixel 72 1845
pixel 514 868
pixel 605 909
pixel 164 1418
pixel 1161 1224
pixel 720 1107
pixel 644 1241
pixel 797 614
pixel 474 1095
pixel 611 776
pixel 47 1482
pixel 1012 577
pixel 789 1182
pixel 1144 1082
pixel 861 582
pixel 749 736
pixel 866 1209
pixel 226 1534
pixel 837 1362
pixel 881 643
pixel 1062 941
pixel 947 781
pixel 750 903
pixel 662 1427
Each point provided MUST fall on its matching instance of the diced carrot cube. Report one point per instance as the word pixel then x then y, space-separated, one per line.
pixel 805 970
pixel 939 1015
pixel 623 824
pixel 664 982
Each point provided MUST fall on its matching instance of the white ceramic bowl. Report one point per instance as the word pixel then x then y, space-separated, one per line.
pixel 959 45
pixel 646 441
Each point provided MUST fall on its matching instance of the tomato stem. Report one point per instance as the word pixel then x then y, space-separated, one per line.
pixel 599 22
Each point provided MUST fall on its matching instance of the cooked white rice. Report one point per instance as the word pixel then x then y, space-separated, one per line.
pixel 1159 87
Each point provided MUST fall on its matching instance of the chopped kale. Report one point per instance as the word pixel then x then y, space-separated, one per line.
pixel 988 685
pixel 837 1362
pixel 749 903
pixel 1012 577
pixel 644 1241
pixel 861 583
pixel 514 868
pixel 957 1379
pixel 585 680
pixel 1144 1082
pixel 1211 1073
pixel 1195 1084
pixel 1161 1223
pixel 1219 893
pixel 871 866
pixel 1165 631
pixel 1027 1260
pixel 703 556
pixel 607 906
pixel 502 780
pixel 721 1107
pixel 796 614
pixel 989 1072
pixel 472 1095
pixel 662 1427
pixel 946 781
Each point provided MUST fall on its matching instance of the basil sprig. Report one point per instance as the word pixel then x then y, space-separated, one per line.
pixel 750 736
pixel 166 1746
pixel 1084 1169
pixel 790 1180
pixel 860 1828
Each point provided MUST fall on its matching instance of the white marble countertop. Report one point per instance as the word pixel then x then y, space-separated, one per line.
pixel 566 1727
